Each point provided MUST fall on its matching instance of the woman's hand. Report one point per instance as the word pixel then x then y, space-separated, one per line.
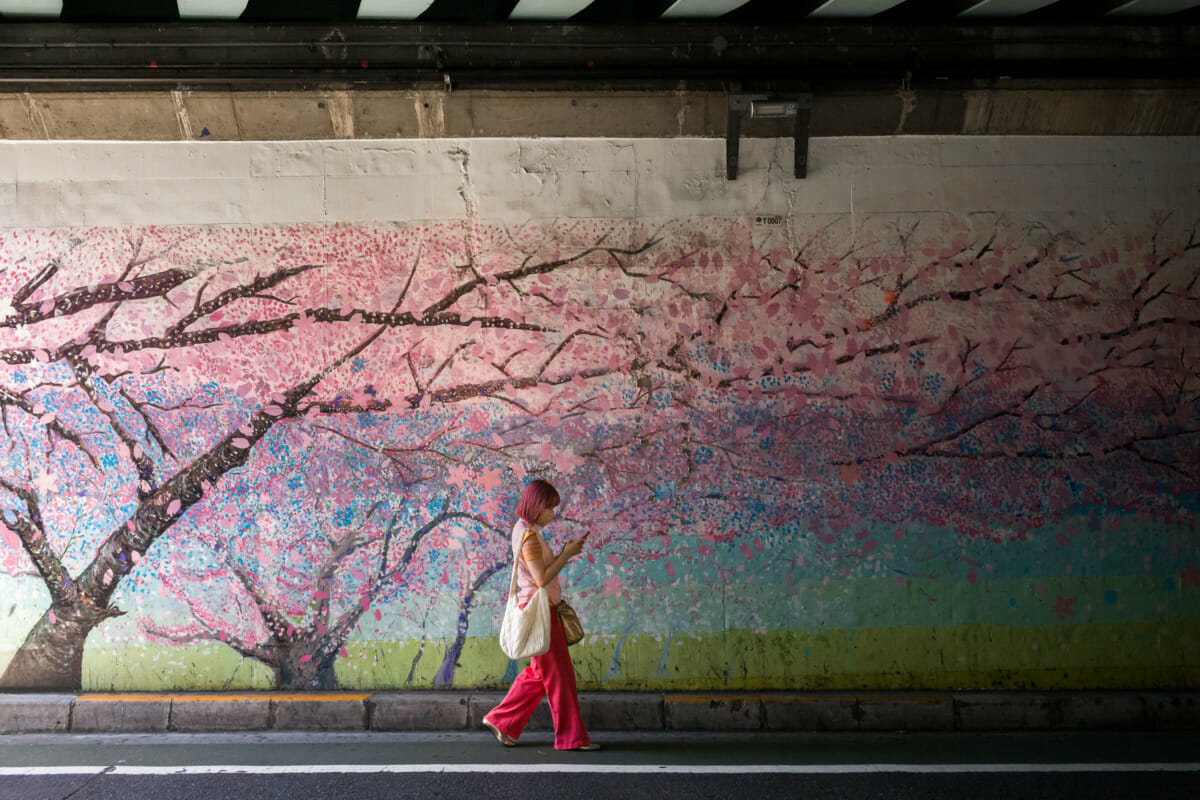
pixel 543 573
pixel 574 547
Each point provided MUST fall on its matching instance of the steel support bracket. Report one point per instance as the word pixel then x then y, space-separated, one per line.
pixel 761 105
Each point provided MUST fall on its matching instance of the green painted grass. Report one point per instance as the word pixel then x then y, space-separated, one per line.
pixel 966 656
pixel 1125 632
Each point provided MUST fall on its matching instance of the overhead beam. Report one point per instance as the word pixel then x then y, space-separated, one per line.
pixel 1003 8
pixel 1043 107
pixel 239 55
pixel 691 9
pixel 547 9
pixel 1150 8
pixel 391 9
pixel 853 8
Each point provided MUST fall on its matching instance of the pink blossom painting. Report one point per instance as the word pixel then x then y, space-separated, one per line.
pixel 296 441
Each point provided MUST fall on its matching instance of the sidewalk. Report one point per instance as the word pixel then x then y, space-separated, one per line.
pixel 604 711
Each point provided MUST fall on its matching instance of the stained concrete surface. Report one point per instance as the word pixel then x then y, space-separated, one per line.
pixel 1026 107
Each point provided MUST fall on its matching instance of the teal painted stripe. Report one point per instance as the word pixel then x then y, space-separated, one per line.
pixel 900 602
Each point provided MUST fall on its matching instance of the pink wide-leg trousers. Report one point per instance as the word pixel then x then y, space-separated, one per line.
pixel 551 675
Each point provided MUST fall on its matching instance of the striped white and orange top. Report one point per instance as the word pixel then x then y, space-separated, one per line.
pixel 527 542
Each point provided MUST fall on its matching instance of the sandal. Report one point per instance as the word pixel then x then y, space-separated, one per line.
pixel 501 737
pixel 591 746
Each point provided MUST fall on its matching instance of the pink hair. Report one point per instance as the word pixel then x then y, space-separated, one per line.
pixel 537 497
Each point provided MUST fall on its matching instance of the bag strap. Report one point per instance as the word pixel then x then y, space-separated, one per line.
pixel 512 587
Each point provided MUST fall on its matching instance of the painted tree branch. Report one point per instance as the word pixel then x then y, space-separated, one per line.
pixel 252 289
pixel 29 530
pixel 277 624
pixel 76 300
pixel 524 271
pixel 141 459
pixel 288 322
pixel 52 652
pixel 349 618
pixel 207 635
pixel 151 428
pixel 34 283
pixel 208 632
pixel 445 673
pixel 8 398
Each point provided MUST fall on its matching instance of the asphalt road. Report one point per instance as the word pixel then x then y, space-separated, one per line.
pixel 364 766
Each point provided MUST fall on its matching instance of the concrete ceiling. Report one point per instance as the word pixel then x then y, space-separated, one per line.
pixel 924 12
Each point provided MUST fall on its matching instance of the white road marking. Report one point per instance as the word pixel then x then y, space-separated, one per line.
pixel 20 771
pixel 620 769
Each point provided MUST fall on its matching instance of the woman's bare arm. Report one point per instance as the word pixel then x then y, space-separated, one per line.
pixel 543 573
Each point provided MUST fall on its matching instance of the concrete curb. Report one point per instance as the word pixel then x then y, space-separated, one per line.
pixel 604 711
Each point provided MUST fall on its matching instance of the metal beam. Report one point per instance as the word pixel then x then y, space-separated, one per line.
pixel 547 9
pixel 691 9
pixel 1150 8
pixel 853 8
pixel 32 8
pixel 83 57
pixel 1003 8
pixel 391 9
pixel 211 9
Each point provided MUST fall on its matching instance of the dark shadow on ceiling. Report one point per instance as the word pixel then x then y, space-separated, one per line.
pixel 300 10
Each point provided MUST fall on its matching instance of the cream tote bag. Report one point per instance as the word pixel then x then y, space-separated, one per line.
pixel 525 632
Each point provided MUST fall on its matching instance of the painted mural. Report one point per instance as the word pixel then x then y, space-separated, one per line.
pixel 932 450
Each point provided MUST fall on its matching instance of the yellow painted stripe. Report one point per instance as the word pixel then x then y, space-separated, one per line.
pixel 123 698
pixel 307 697
pixel 214 698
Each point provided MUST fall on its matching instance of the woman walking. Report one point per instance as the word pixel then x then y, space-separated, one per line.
pixel 550 674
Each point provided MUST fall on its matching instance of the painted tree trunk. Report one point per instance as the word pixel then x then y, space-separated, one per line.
pixel 311 674
pixel 51 657
pixel 445 673
pixel 56 642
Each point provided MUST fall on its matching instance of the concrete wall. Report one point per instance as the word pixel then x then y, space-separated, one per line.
pixel 927 418
pixel 1078 107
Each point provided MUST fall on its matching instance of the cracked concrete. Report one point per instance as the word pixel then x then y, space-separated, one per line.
pixel 511 180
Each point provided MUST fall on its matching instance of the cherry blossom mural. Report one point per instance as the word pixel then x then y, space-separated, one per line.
pixel 304 442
